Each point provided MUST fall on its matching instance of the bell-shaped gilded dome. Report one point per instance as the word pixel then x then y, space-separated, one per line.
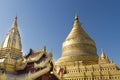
pixel 78 46
pixel 78 42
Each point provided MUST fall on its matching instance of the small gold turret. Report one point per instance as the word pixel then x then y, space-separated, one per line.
pixel 12 42
pixel 103 58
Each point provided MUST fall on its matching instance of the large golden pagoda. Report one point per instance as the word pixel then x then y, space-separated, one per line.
pixel 78 46
pixel 79 60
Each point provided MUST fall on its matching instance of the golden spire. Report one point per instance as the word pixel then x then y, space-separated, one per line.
pixel 103 58
pixel 14 25
pixel 12 39
pixel 76 17
pixel 103 54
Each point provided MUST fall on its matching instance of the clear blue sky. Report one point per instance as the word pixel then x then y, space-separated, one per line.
pixel 48 22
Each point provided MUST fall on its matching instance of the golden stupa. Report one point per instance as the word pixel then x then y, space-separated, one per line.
pixel 78 46
pixel 79 60
pixel 36 65
pixel 12 42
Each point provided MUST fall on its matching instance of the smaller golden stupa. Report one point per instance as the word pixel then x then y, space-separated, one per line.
pixel 12 43
pixel 36 65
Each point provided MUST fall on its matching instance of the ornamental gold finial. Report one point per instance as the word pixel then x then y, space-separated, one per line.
pixel 103 54
pixel 76 16
pixel 14 25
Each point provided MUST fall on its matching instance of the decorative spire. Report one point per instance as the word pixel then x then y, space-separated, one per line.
pixel 12 39
pixel 103 54
pixel 14 25
pixel 76 17
pixel 103 58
